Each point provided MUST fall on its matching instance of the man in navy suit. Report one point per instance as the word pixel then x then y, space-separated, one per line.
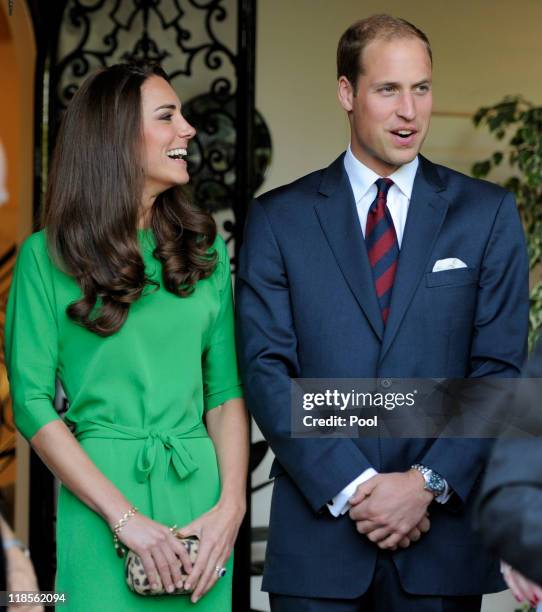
pixel 383 265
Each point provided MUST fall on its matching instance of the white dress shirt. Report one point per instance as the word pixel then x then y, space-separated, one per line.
pixel 362 179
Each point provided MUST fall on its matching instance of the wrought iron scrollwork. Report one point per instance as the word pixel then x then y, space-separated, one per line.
pixel 211 156
pixel 135 24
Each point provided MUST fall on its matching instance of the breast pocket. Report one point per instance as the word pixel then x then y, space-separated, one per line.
pixel 452 278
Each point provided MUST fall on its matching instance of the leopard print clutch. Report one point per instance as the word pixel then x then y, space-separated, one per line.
pixel 137 580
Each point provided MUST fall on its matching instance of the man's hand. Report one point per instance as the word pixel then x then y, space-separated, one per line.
pixel 391 509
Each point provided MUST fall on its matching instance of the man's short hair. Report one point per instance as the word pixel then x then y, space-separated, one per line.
pixel 360 34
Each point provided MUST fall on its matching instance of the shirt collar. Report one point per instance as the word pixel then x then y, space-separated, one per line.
pixel 363 178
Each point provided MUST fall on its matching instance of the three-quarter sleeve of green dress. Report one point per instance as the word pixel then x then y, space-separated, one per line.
pixel 31 344
pixel 220 374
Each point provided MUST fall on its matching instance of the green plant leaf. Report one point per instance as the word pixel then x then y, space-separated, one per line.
pixel 497 158
pixel 481 169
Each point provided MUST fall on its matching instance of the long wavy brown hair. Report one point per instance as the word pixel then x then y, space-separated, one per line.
pixel 94 198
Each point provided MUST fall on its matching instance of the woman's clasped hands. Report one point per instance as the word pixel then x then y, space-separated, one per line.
pixel 161 553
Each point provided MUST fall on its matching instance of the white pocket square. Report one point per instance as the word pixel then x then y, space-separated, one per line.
pixel 450 263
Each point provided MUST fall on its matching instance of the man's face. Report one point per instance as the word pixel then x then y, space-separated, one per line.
pixel 390 112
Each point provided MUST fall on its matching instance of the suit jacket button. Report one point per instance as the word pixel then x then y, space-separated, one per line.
pixel 385 383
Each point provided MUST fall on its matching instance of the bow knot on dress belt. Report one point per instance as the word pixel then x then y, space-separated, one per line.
pixel 170 449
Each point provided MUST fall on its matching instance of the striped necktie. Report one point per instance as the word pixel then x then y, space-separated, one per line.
pixel 382 246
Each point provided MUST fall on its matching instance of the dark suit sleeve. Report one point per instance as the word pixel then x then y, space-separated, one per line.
pixel 499 340
pixel 267 349
pixel 509 514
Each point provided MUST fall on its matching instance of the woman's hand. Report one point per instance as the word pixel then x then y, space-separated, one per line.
pixel 217 531
pixel 522 588
pixel 161 553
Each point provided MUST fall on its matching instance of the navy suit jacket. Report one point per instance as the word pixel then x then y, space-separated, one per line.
pixel 307 308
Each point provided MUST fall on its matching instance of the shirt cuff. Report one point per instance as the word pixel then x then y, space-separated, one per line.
pixel 340 504
pixel 445 495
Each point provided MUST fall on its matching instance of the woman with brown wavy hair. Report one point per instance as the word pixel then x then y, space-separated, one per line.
pixel 125 296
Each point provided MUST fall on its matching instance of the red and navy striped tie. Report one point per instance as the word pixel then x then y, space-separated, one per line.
pixel 382 246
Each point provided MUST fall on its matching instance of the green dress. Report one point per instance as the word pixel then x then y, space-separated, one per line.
pixel 136 402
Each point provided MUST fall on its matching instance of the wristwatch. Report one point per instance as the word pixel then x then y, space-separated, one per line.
pixel 434 482
pixel 15 543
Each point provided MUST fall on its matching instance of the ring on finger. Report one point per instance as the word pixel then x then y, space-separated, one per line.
pixel 220 571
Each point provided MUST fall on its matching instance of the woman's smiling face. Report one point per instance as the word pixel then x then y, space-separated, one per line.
pixel 165 137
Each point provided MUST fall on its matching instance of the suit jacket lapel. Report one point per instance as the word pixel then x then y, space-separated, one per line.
pixel 426 214
pixel 339 220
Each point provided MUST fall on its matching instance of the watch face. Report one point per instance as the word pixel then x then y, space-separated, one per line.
pixel 436 483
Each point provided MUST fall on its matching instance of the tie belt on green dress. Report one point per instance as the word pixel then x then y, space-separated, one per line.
pixel 160 450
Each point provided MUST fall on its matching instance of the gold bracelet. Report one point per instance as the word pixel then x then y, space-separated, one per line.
pixel 117 528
